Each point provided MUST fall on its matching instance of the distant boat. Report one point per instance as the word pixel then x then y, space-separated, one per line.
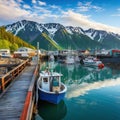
pixel 93 61
pixel 50 87
pixel 51 58
pixel 77 59
pixel 69 59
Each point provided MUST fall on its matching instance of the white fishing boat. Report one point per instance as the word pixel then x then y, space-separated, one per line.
pixel 50 87
pixel 69 60
pixel 93 61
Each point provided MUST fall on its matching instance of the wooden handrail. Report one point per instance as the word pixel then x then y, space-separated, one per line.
pixel 11 75
pixel 30 98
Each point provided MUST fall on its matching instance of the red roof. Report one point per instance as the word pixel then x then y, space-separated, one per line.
pixel 115 50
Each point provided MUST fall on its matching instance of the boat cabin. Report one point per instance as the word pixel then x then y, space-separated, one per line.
pixel 50 82
pixel 56 84
pixel 45 83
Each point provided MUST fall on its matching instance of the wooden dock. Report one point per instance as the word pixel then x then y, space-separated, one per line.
pixel 16 101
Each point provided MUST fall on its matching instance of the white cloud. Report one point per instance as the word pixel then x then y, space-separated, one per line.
pixel 38 10
pixel 33 1
pixel 84 7
pixel 118 9
pixel 76 19
pixel 42 3
pixel 11 11
pixel 54 6
pixel 117 14
pixel 26 6
pixel 20 1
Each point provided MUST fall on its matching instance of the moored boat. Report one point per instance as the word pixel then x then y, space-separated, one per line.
pixel 69 60
pixel 77 59
pixel 93 61
pixel 50 87
pixel 51 57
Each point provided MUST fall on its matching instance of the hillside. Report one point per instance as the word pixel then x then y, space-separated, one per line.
pixel 9 41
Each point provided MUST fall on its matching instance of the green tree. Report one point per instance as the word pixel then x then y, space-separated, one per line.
pixel 13 47
pixel 4 44
pixel 9 41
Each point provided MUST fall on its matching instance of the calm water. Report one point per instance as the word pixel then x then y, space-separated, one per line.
pixel 92 94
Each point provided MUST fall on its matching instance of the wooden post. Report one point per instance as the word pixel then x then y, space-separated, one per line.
pixel 3 84
pixel 13 75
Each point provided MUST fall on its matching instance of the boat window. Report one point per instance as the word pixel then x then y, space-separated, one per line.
pixel 55 81
pixel 45 80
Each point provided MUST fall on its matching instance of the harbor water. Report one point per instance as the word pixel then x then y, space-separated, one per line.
pixel 92 94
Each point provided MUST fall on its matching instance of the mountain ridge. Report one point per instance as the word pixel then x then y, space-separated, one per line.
pixel 63 36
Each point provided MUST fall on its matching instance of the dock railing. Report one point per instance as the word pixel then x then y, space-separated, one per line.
pixel 10 76
pixel 30 98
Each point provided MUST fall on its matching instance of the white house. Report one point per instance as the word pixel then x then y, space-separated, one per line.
pixel 5 53
pixel 24 52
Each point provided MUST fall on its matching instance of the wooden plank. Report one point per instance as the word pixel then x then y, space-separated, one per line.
pixel 12 101
pixel 30 99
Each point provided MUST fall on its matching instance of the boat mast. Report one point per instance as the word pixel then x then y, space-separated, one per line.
pixel 37 52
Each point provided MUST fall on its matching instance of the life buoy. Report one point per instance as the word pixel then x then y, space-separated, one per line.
pixel 100 66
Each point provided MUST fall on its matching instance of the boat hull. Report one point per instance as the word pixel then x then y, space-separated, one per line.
pixel 54 98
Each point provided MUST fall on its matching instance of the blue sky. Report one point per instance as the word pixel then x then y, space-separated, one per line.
pixel 97 14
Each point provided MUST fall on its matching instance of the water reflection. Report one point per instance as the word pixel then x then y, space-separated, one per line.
pixel 81 75
pixel 75 91
pixel 81 80
pixel 50 111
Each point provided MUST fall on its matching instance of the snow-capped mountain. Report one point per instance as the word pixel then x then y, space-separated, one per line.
pixel 15 28
pixel 63 36
pixel 97 35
